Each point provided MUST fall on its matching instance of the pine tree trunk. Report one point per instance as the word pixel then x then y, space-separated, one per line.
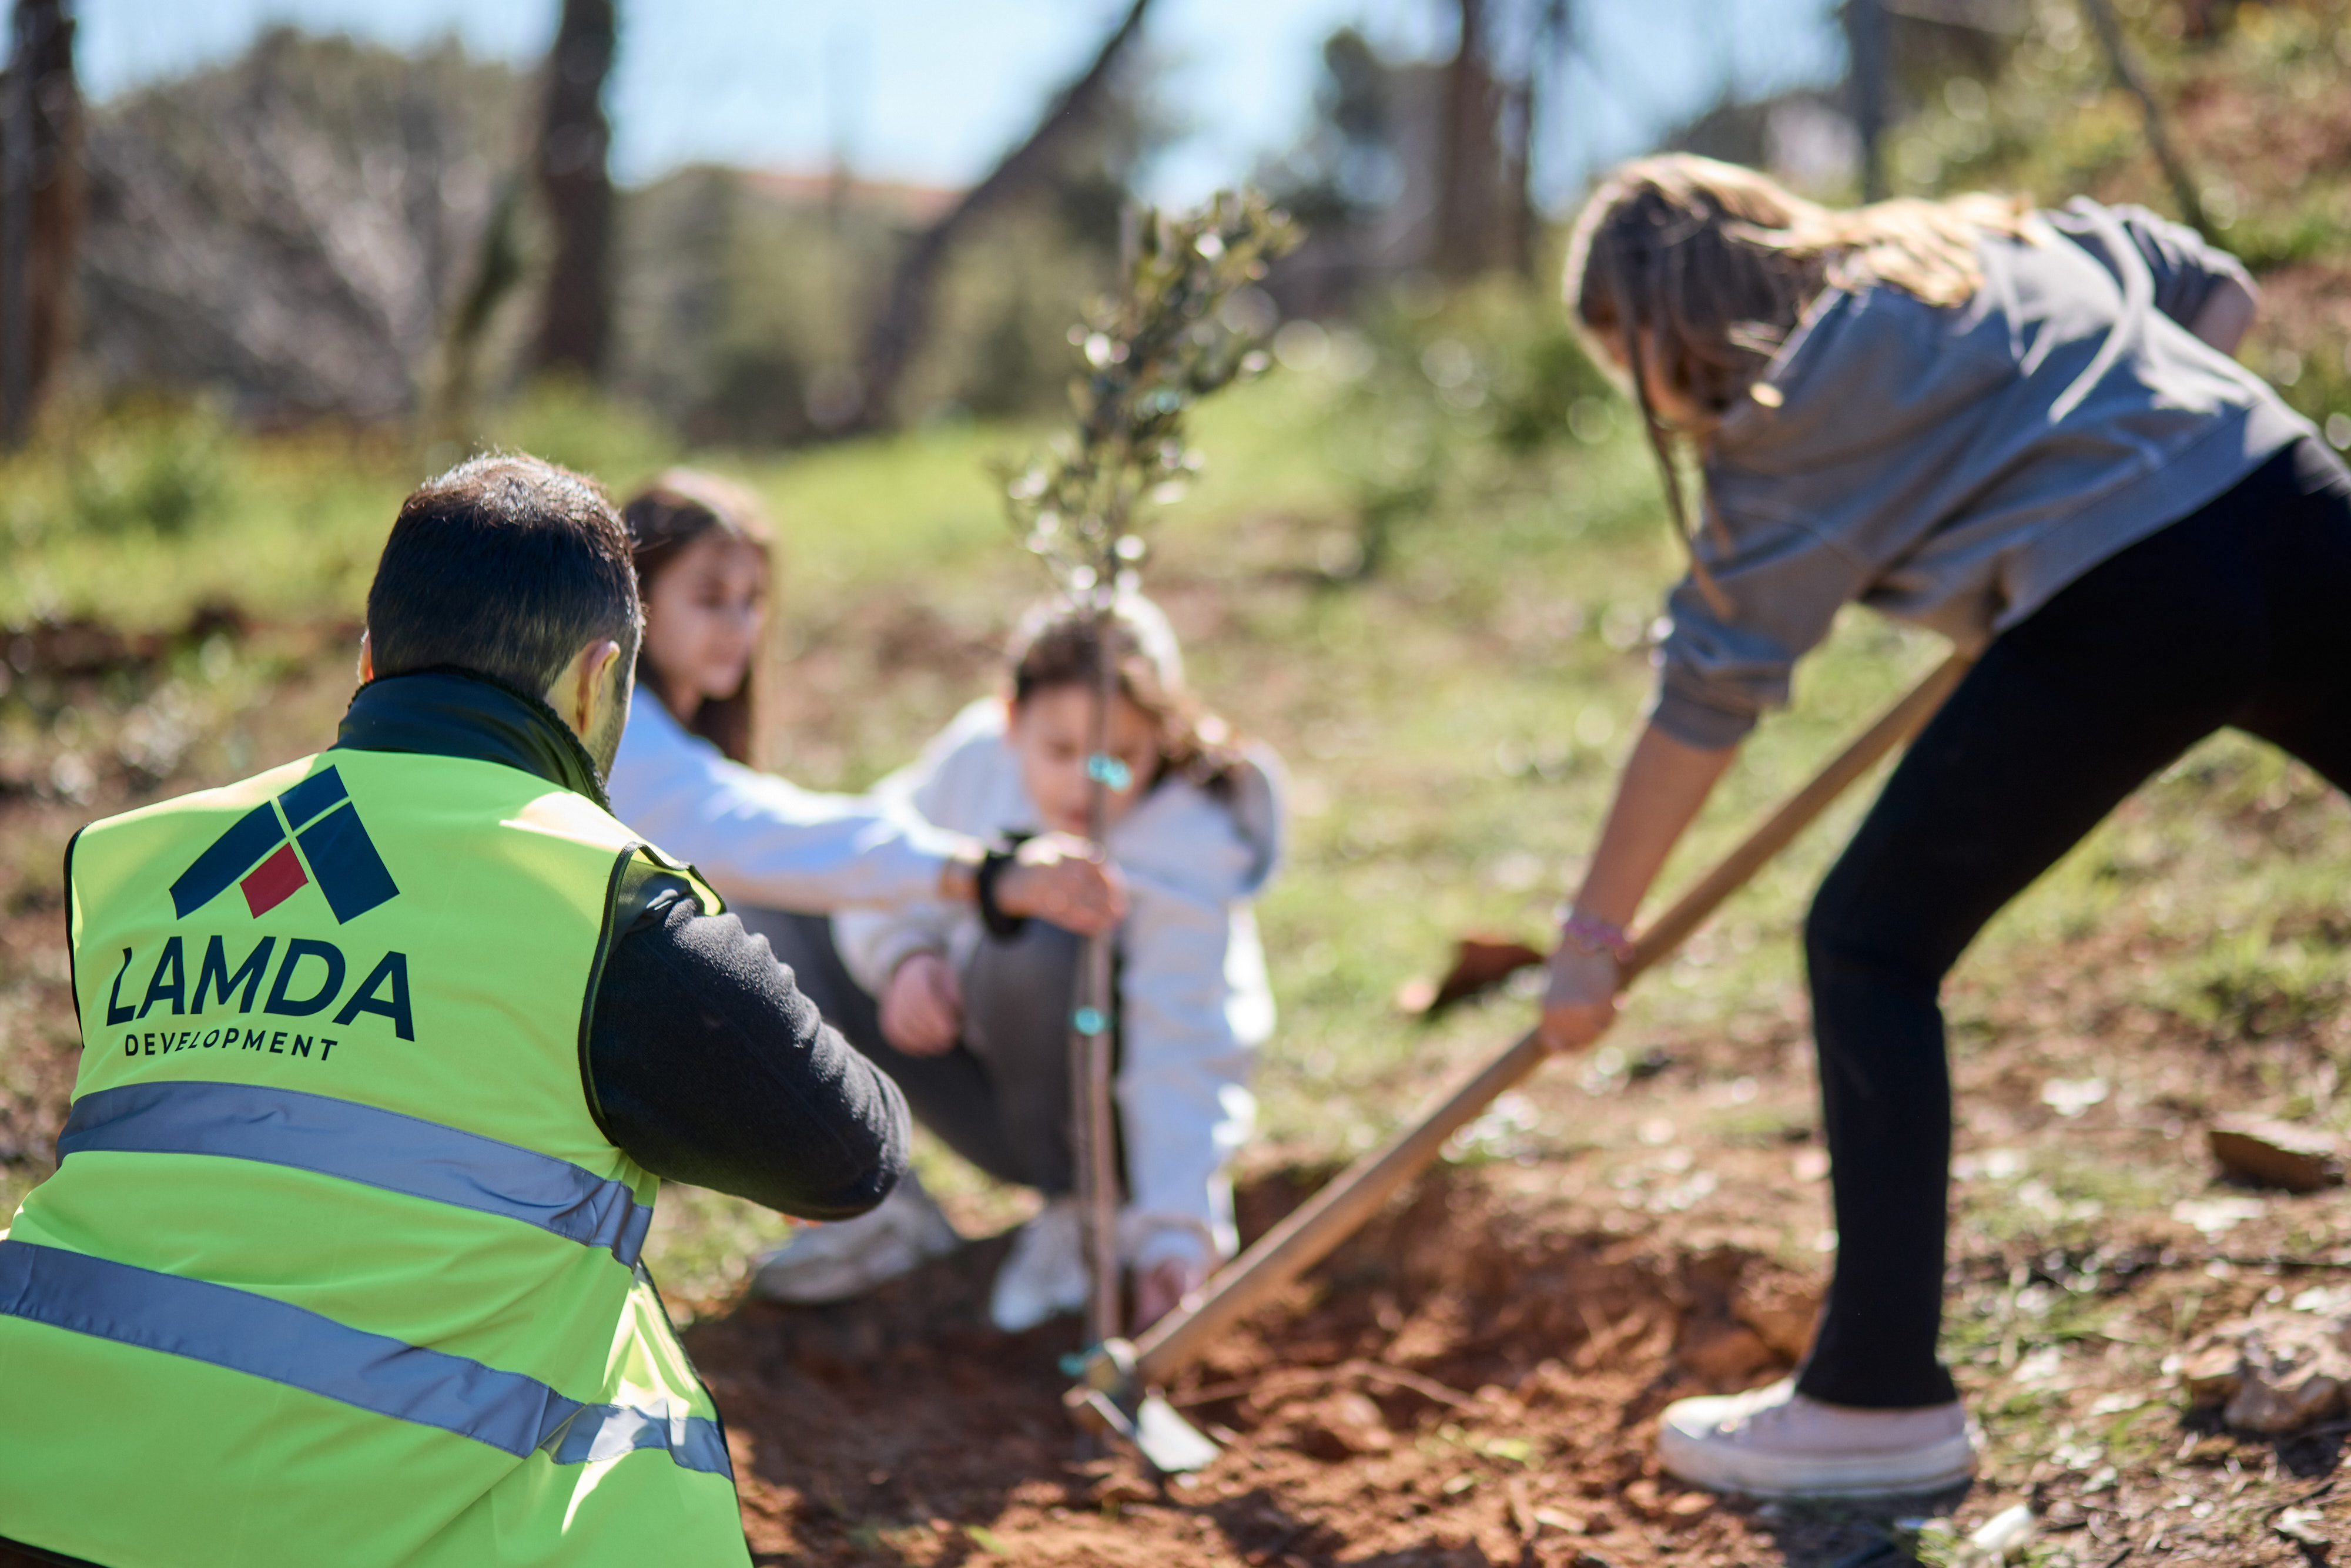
pixel 1469 219
pixel 41 198
pixel 1514 216
pixel 575 322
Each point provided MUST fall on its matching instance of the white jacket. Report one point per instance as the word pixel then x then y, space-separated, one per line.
pixel 1195 1003
pixel 760 839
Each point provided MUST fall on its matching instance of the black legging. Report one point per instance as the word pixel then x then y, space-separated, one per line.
pixel 2234 615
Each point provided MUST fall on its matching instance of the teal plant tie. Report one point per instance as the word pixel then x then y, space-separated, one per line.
pixel 1109 771
pixel 1090 1021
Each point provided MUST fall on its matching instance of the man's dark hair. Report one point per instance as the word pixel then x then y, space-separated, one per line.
pixel 504 565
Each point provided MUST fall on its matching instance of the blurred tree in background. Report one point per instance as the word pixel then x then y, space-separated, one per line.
pixel 2260 123
pixel 897 326
pixel 1422 166
pixel 41 193
pixel 568 165
pixel 368 235
pixel 322 199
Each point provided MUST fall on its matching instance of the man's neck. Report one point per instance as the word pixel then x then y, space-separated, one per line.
pixel 450 712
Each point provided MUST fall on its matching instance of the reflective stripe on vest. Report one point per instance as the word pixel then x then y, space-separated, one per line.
pixel 289 1344
pixel 359 1143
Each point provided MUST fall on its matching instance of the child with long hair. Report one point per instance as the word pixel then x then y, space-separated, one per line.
pixel 973 1017
pixel 2022 429
pixel 784 857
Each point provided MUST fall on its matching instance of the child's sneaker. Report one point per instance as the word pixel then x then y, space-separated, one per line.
pixel 1045 1275
pixel 1775 1442
pixel 839 1261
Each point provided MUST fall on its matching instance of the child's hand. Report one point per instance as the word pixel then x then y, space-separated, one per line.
pixel 1581 1002
pixel 1161 1288
pixel 921 1007
pixel 1065 881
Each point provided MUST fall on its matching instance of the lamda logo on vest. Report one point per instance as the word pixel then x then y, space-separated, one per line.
pixel 322 818
pixel 312 834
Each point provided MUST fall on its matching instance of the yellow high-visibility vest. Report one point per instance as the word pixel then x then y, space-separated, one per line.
pixel 337 1266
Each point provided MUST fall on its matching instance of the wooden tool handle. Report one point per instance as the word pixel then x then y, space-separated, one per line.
pixel 1335 1213
pixel 1327 1218
pixel 1894 727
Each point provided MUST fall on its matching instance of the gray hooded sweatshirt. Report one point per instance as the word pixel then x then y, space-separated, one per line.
pixel 1956 468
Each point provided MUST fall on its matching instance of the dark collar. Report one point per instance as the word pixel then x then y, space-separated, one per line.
pixel 449 712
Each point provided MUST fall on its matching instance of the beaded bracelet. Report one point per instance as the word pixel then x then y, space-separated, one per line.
pixel 1587 935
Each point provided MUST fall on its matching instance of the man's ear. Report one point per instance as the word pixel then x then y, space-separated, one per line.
pixel 595 690
pixel 582 689
pixel 367 660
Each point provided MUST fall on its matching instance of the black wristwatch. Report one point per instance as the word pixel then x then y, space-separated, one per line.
pixel 1000 855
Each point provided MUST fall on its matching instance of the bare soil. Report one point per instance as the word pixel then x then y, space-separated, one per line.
pixel 1461 1383
pixel 1475 1379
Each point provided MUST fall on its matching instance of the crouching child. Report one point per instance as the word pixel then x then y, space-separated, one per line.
pixel 971 1014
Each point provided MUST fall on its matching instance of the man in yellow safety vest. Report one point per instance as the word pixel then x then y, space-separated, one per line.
pixel 385 1051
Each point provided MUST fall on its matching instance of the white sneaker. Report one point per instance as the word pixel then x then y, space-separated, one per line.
pixel 1775 1442
pixel 836 1262
pixel 1045 1274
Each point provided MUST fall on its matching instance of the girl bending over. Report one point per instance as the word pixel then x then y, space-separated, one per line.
pixel 2020 429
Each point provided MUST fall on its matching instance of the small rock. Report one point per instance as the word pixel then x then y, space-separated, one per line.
pixel 2072 1096
pixel 2300 1525
pixel 2277 1153
pixel 1343 1426
pixel 2277 1372
pixel 2001 1537
pixel 2210 1375
pixel 1121 1488
pixel 2213 1216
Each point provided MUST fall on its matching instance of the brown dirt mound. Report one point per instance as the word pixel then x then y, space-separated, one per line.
pixel 1460 1384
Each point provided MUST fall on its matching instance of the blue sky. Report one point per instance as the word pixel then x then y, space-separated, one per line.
pixel 932 90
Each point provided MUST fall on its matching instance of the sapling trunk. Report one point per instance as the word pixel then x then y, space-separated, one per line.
pixel 1093 1023
pixel 1169 338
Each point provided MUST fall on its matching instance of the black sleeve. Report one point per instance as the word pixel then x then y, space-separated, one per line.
pixel 709 1066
